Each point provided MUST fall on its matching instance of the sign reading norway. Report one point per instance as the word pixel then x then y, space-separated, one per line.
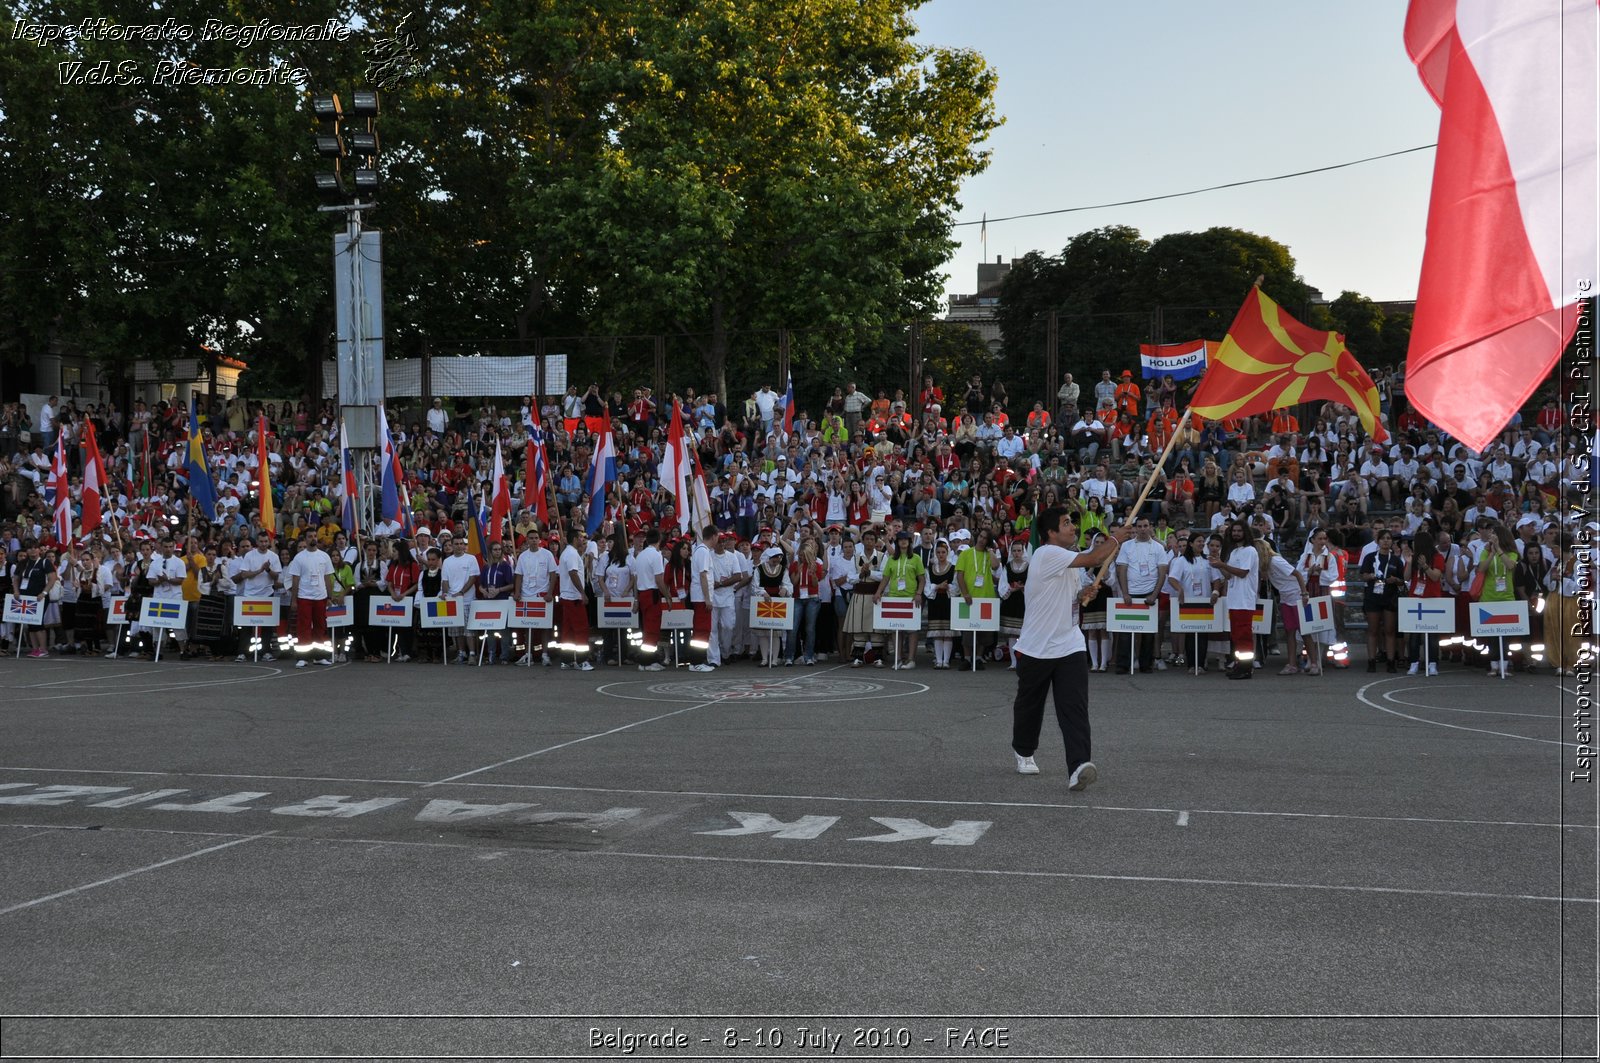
pixel 534 614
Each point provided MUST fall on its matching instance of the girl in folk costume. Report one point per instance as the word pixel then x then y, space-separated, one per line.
pixel 771 581
pixel 941 578
pixel 1013 595
pixel 806 574
pixel 1318 568
pixel 858 621
pixel 1092 617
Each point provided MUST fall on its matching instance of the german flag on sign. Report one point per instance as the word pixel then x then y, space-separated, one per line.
pixel 1196 612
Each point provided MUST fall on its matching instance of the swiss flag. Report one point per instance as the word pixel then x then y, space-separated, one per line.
pixel 1511 223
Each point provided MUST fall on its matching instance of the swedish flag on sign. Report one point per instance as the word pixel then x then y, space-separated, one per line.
pixel 163 610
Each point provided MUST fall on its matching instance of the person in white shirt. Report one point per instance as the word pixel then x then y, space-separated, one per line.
pixel 1009 445
pixel 1099 486
pixel 1051 654
pixel 766 404
pixel 438 420
pixel 702 590
pixel 1243 570
pixel 574 605
pixel 1241 492
pixel 256 574
pixel 459 580
pixel 535 574
pixel 310 577
pixel 1141 571
pixel 727 576
pixel 649 580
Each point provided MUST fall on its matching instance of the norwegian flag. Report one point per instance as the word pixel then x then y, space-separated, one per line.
pixel 538 609
pixel 62 502
pixel 536 475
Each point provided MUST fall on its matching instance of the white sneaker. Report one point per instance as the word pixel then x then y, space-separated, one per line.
pixel 237 660
pixel 403 658
pixel 526 659
pixel 462 658
pixel 1086 774
pixel 909 664
pixel 1161 666
pixel 1416 666
pixel 1433 670
pixel 339 659
pixel 878 663
pixel 1025 765
pixel 299 664
pixel 544 659
pixel 585 667
pixel 654 666
pixel 1259 663
pixel 324 662
pixel 268 657
pixel 702 668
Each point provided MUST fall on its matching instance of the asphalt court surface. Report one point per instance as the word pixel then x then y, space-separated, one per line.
pixel 786 862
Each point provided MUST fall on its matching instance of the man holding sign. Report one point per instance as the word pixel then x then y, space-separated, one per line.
pixel 1051 652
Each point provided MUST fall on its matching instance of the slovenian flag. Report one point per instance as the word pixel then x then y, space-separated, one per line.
pixel 442 609
pixel 898 608
pixel 982 609
pixel 391 610
pixel 164 610
pixel 537 609
pixel 255 607
pixel 616 609
pixel 1486 616
pixel 1196 612
pixel 1133 612
pixel 1316 609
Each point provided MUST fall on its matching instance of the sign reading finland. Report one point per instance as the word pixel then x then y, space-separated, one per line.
pixel 1427 616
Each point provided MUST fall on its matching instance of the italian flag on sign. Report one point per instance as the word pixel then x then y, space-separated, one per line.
pixel 984 609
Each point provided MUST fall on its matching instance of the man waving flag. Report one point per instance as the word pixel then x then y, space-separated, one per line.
pixel 94 479
pixel 202 490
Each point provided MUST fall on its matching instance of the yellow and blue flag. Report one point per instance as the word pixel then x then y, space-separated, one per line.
pixel 201 489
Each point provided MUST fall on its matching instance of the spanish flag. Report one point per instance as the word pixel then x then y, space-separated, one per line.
pixel 1269 360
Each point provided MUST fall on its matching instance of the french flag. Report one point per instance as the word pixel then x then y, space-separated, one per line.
pixel 1317 609
pixel 1512 217
pixel 602 473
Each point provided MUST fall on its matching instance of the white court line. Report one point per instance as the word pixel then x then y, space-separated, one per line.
pixel 995 872
pixel 828 798
pixel 277 673
pixel 130 874
pixel 614 730
pixel 1361 695
pixel 1391 699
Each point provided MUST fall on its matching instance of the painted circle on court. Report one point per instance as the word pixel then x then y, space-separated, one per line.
pixel 801 690
pixel 1483 707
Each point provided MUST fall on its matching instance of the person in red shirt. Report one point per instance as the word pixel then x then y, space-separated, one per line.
pixel 1551 418
pixel 932 395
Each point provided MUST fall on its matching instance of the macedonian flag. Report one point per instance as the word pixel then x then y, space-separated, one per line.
pixel 1269 360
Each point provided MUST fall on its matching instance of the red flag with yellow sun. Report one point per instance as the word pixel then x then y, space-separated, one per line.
pixel 1269 360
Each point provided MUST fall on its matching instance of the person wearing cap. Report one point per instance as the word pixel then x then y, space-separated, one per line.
pixel 1128 395
pixel 771 580
pixel 1051 653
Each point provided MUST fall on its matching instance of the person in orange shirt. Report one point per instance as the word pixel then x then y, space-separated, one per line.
pixel 1038 418
pixel 1160 427
pixel 1284 422
pixel 1127 395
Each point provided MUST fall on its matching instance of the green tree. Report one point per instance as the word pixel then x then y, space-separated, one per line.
pixel 1362 322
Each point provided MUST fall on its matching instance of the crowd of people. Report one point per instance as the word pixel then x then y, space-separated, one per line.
pixel 929 498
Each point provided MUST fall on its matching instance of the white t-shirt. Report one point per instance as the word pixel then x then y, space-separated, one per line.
pixel 647 565
pixel 263 584
pixel 458 573
pixel 700 572
pixel 535 567
pixel 571 574
pixel 1242 589
pixel 724 566
pixel 1144 561
pixel 1050 627
pixel 310 566
pixel 1192 579
pixel 173 568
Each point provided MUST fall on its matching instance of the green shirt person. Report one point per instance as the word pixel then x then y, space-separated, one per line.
pixel 903 573
pixel 975 572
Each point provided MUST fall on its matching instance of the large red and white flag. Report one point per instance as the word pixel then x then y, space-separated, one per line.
pixel 62 508
pixel 681 474
pixel 499 497
pixel 1511 224
pixel 94 479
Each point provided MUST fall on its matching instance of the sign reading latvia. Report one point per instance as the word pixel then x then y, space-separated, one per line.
pixel 1135 617
pixel 1427 616
pixel 536 613
pixel 436 613
pixel 772 614
pixel 491 615
pixel 1199 617
pixel 1316 615
pixel 897 614
pixel 22 609
pixel 255 612
pixel 982 615
pixel 616 613
pixel 386 612
pixel 164 612
pixel 1498 618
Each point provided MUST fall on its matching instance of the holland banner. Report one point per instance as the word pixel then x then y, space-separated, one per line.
pixel 1132 617
pixel 1180 361
pixel 772 614
pixel 982 615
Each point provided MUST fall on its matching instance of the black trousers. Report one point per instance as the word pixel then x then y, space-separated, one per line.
pixel 1146 650
pixel 1068 678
